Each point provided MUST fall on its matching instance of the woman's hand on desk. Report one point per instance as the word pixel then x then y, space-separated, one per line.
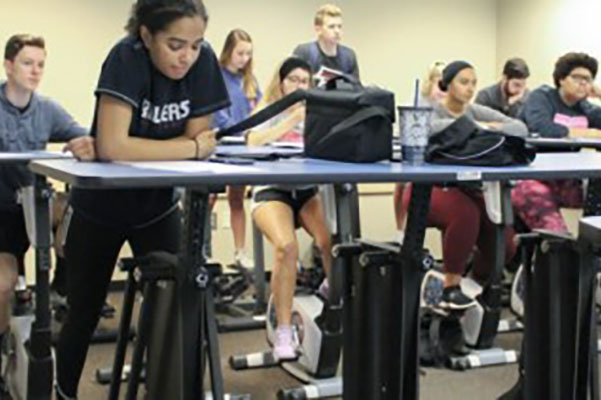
pixel 205 144
pixel 83 148
pixel 585 133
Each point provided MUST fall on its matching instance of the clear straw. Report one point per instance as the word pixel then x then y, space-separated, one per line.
pixel 416 98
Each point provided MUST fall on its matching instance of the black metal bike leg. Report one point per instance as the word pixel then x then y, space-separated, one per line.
pixel 40 364
pixel 553 317
pixel 592 207
pixel 592 204
pixel 190 295
pixel 140 348
pixel 490 298
pixel 259 271
pixel 213 347
pixel 342 282
pixel 586 362
pixel 593 352
pixel 404 307
pixel 123 335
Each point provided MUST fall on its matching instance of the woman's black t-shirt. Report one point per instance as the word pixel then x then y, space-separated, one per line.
pixel 161 107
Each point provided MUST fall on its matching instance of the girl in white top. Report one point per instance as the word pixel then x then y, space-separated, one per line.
pixel 279 209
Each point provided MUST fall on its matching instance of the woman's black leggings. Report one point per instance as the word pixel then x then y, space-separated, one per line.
pixel 91 251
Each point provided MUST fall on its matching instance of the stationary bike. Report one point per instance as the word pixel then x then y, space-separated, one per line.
pixel 480 324
pixel 319 348
pixel 27 363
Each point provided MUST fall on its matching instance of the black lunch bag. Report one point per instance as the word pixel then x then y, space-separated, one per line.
pixel 352 124
pixel 465 143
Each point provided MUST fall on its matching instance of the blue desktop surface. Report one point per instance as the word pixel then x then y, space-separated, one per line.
pixel 299 170
pixel 275 150
pixel 23 157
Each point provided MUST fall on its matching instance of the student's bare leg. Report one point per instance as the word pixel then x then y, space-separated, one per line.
pixel 8 280
pixel 312 218
pixel 276 220
pixel 235 197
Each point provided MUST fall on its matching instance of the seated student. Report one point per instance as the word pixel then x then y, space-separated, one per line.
pixel 559 112
pixel 236 62
pixel 430 93
pixel 28 121
pixel 157 89
pixel 279 209
pixel 508 95
pixel 460 212
pixel 326 56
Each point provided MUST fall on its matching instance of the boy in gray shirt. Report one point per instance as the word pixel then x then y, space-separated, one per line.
pixel 28 122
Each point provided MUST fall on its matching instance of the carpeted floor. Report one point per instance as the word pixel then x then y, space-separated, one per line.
pixel 482 384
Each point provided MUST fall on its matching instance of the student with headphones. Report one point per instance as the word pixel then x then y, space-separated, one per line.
pixel 458 211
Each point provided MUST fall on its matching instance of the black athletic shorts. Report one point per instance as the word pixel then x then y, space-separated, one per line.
pixel 295 199
pixel 13 234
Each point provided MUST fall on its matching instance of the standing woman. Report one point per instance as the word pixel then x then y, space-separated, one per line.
pixel 278 210
pixel 157 89
pixel 236 62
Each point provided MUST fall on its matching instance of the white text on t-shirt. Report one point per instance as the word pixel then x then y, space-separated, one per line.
pixel 170 112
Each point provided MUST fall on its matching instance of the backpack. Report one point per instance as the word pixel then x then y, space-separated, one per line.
pixel 465 143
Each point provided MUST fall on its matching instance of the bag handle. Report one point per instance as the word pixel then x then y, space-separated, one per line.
pixel 265 114
pixel 355 119
pixel 475 155
pixel 358 117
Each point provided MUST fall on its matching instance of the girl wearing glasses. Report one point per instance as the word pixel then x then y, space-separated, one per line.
pixel 562 111
pixel 278 210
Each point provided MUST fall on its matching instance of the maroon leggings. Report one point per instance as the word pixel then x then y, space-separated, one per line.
pixel 465 227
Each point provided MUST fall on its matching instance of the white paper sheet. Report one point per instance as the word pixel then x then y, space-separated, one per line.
pixel 190 166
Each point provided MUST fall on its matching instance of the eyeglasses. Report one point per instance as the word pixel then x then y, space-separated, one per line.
pixel 582 79
pixel 297 80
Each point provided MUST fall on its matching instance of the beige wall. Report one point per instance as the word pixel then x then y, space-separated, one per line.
pixel 395 39
pixel 542 30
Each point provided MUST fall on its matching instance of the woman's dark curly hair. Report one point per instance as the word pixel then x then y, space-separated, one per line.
pixel 569 62
pixel 156 15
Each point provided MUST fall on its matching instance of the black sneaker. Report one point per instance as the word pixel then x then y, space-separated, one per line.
pixel 454 299
pixel 4 394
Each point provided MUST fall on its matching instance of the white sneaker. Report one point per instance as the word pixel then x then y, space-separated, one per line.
pixel 284 347
pixel 242 260
pixel 400 236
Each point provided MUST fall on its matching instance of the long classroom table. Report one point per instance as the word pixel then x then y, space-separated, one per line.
pixel 401 378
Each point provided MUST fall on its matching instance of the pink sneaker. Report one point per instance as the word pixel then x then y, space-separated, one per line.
pixel 284 347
